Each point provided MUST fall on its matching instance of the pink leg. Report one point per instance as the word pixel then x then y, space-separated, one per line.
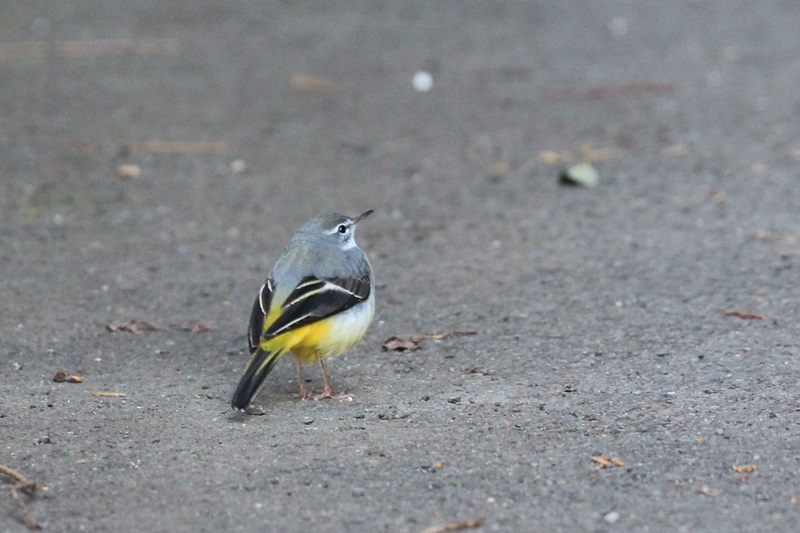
pixel 304 394
pixel 327 392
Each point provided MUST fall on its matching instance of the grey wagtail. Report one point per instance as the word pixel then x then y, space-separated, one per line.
pixel 317 302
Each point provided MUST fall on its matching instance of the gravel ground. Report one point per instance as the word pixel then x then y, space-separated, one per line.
pixel 156 156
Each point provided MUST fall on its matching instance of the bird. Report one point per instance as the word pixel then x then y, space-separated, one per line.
pixel 318 302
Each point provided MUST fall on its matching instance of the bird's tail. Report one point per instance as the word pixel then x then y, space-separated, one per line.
pixel 257 369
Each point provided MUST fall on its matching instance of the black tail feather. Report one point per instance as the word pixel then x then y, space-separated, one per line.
pixel 257 370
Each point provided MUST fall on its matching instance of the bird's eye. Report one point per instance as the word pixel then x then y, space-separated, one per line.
pixel 342 228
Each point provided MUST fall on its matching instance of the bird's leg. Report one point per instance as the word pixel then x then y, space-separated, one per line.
pixel 327 392
pixel 304 394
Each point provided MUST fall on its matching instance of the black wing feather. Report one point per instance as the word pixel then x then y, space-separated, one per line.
pixel 302 309
pixel 257 316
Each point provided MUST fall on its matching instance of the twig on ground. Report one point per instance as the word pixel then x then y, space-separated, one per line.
pixel 22 485
pixel 454 526
pixel 746 316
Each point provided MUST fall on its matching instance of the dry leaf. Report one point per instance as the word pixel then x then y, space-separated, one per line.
pixel 133 326
pixel 603 462
pixel 199 327
pixel 744 468
pixel 63 377
pixel 396 344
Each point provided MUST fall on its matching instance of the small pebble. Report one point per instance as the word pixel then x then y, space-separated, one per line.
pixel 454 399
pixel 581 174
pixel 612 517
pixel 128 171
pixel 255 410
pixel 423 81
pixel 308 420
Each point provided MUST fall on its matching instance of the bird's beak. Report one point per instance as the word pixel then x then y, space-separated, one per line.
pixel 363 215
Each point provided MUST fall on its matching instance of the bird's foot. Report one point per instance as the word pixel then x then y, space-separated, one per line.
pixel 327 393
pixel 305 394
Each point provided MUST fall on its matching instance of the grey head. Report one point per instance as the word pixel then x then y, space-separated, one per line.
pixel 331 227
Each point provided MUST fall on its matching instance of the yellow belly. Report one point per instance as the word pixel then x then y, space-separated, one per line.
pixel 328 337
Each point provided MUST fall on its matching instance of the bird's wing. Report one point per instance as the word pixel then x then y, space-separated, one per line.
pixel 259 313
pixel 314 299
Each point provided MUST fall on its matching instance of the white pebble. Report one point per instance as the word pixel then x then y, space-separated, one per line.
pixel 581 174
pixel 612 517
pixel 423 81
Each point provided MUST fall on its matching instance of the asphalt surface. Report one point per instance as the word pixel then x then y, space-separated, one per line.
pixel 602 316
